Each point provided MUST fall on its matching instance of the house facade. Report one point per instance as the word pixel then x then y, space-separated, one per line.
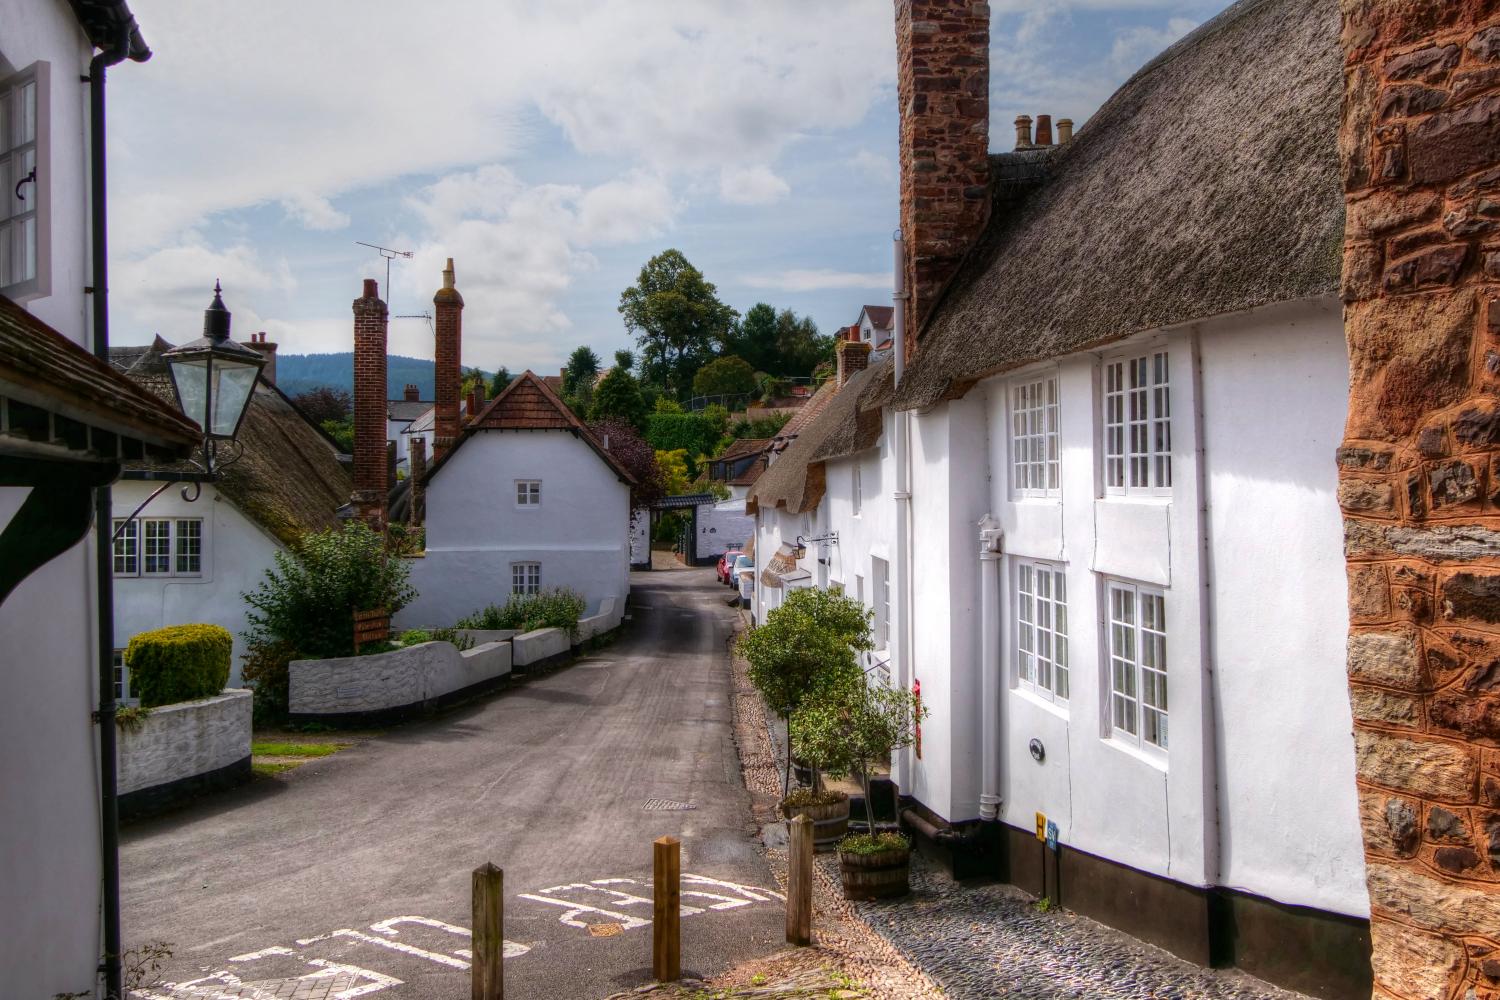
pixel 67 423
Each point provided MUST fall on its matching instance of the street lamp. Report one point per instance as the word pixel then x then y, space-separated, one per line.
pixel 214 378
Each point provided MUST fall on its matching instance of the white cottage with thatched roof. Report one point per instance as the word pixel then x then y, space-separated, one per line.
pixel 1104 493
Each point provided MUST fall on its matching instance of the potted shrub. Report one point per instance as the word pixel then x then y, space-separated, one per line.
pixel 850 727
pixel 809 643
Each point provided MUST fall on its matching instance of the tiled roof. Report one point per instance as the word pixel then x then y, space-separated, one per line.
pixel 41 367
pixel 881 317
pixel 529 404
pixel 741 447
pixel 751 474
pixel 406 409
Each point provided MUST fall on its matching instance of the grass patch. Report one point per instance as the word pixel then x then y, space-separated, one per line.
pixel 305 750
pixel 266 768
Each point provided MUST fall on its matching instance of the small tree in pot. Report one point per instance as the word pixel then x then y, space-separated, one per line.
pixel 850 727
pixel 810 643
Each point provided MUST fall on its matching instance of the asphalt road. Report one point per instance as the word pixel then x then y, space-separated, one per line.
pixel 315 876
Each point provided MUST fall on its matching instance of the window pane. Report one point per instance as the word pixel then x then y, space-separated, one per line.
pixel 158 546
pixel 189 546
pixel 126 547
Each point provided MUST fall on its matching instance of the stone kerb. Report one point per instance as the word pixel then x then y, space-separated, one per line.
pixel 393 683
pixel 545 645
pixel 180 751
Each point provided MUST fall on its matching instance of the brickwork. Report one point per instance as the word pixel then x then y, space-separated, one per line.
pixel 449 308
pixel 370 482
pixel 1420 483
pixel 943 90
pixel 851 357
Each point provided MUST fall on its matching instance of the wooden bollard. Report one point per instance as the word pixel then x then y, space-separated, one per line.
pixel 799 859
pixel 488 969
pixel 666 926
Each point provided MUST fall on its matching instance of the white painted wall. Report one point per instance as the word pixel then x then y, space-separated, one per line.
pixel 721 527
pixel 398 679
pixel 475 531
pixel 865 535
pixel 640 537
pixel 179 741
pixel 236 555
pixel 49 840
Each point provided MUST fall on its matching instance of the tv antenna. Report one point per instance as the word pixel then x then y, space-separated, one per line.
pixel 421 315
pixel 389 256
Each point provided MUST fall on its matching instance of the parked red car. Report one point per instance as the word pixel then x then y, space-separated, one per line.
pixel 726 568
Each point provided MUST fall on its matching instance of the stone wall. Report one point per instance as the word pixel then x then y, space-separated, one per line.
pixel 545 644
pixel 1420 483
pixel 407 678
pixel 179 741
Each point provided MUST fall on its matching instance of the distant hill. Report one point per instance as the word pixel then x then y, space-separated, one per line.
pixel 296 373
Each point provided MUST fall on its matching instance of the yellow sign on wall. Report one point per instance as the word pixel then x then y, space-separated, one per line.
pixel 1041 827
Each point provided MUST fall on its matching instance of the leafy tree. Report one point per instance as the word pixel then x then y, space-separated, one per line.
pixel 623 442
pixel 850 725
pixel 767 426
pixel 728 376
pixel 693 433
pixel 799 346
pixel 578 375
pixel 677 318
pixel 618 397
pixel 325 403
pixel 499 382
pixel 674 472
pixel 666 405
pixel 808 644
pixel 472 378
pixel 625 359
pixel 342 432
pixel 754 338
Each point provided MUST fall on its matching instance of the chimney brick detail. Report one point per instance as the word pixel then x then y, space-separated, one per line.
pixel 411 393
pixel 1419 485
pixel 267 350
pixel 447 354
pixel 943 89
pixel 370 482
pixel 851 357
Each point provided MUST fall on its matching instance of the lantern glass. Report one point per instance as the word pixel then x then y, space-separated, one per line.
pixel 234 382
pixel 190 377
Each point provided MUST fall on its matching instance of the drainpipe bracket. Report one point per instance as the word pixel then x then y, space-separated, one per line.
pixel 989 808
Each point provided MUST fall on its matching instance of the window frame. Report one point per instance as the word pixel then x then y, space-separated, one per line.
pixel 880 598
pixel 38 76
pixel 121 680
pixel 1135 702
pixel 1029 681
pixel 1156 395
pixel 131 546
pixel 858 488
pixel 531 580
pixel 1049 412
pixel 533 494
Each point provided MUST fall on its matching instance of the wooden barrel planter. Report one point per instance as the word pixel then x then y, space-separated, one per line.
pixel 830 822
pixel 882 875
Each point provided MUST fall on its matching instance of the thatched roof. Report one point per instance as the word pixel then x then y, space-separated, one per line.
pixel 1208 184
pixel 854 424
pixel 288 480
pixel 795 480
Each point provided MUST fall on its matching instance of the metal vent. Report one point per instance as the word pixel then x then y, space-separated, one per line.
pixel 667 805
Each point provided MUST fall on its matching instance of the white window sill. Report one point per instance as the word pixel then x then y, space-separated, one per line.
pixel 1156 759
pixel 1037 500
pixel 1145 499
pixel 1031 697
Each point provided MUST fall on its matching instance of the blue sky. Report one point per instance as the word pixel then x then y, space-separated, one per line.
pixel 551 149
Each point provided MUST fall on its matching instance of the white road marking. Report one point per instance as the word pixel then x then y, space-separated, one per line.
pixel 389 926
pixel 405 949
pixel 275 949
pixel 379 980
pixel 575 901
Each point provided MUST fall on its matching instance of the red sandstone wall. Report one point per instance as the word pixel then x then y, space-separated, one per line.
pixel 1420 483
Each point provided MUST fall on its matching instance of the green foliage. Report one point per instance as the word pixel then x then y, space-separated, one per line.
pixel 618 397
pixel 664 405
pixel 728 376
pixel 873 843
pixel 779 343
pixel 675 478
pixel 694 433
pixel 130 718
pixel 625 358
pixel 179 663
pixel 812 797
pixel 499 382
pixel 308 599
pixel 850 725
pixel 578 379
pixel 677 318
pixel 342 432
pixel 266 671
pixel 415 637
pixel 767 426
pixel 554 607
pixel 269 749
pixel 473 378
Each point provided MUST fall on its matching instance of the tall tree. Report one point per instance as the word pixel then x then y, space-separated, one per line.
pixel 325 403
pixel 578 375
pixel 726 376
pixel 754 339
pixel 799 346
pixel 677 318
pixel 625 358
pixel 499 382
pixel 619 397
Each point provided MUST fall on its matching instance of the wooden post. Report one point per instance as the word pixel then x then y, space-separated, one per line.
pixel 488 970
pixel 666 927
pixel 799 859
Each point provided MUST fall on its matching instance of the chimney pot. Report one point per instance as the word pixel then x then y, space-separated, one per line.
pixel 1044 130
pixel 372 289
pixel 1023 132
pixel 267 350
pixel 1064 131
pixel 850 358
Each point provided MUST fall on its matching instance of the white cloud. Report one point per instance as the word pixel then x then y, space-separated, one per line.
pixel 881 169
pixel 757 185
pixel 167 290
pixel 817 280
pixel 313 212
pixel 1135 46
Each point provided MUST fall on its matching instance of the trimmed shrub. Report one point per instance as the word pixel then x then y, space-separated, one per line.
pixel 179 663
pixel 555 607
pixel 267 672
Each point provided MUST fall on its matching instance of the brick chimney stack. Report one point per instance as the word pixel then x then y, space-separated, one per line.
pixel 449 322
pixel 267 350
pixel 1044 130
pixel 943 89
pixel 851 357
pixel 412 394
pixel 370 483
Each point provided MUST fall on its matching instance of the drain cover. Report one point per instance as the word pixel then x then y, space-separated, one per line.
pixel 667 805
pixel 605 930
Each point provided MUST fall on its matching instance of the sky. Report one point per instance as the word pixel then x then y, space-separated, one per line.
pixel 550 148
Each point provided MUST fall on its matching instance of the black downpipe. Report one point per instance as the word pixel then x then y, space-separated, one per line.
pixel 109 810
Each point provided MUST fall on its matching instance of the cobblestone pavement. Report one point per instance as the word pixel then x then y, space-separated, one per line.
pixel 991 942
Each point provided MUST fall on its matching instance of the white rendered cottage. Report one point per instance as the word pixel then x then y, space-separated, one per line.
pixel 1103 501
pixel 183 561
pixel 526 499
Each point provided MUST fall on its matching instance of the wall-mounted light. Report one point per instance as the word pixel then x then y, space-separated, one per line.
pixel 1038 752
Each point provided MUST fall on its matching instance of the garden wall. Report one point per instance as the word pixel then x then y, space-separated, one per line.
pixel 181 751
pixel 608 617
pixel 545 645
pixel 389 685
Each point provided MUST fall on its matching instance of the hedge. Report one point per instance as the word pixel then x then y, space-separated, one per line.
pixel 179 663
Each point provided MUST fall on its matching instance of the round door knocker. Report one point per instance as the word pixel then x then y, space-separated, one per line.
pixel 1038 752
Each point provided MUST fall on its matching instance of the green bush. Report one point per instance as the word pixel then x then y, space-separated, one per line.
pixel 555 607
pixel 309 598
pixel 179 663
pixel 266 671
pixel 415 637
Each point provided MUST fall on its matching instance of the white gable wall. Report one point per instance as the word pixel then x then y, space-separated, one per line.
pixel 475 530
pixel 236 555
